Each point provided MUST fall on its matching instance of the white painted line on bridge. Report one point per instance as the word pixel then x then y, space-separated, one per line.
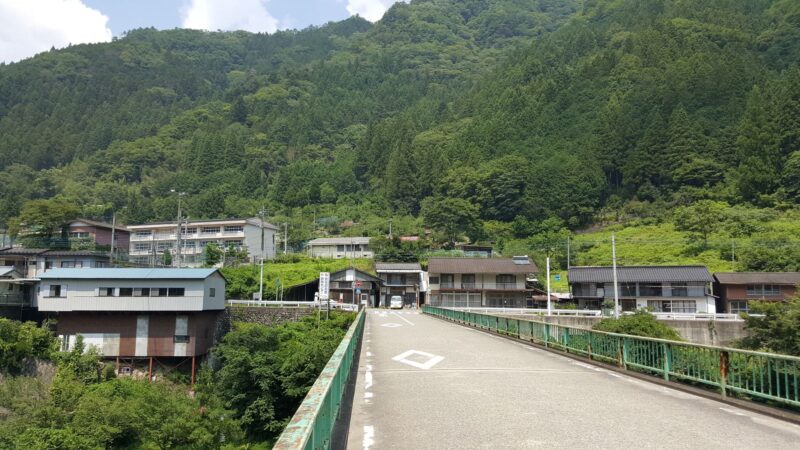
pixel 369 437
pixel 403 318
pixel 392 325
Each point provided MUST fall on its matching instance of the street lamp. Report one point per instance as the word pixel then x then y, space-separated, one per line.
pixel 261 213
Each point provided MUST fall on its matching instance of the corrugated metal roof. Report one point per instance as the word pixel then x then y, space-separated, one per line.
pixel 76 253
pixel 340 241
pixel 791 278
pixel 478 265
pixel 412 267
pixel 20 251
pixel 128 274
pixel 632 274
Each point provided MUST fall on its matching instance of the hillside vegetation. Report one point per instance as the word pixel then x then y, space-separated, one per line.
pixel 470 118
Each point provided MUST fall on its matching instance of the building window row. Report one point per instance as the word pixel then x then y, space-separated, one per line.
pixel 739 306
pixel 757 290
pixel 672 306
pixel 140 292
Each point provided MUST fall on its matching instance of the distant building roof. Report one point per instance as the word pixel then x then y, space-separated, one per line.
pixel 481 265
pixel 128 274
pixel 252 221
pixel 792 278
pixel 395 267
pixel 7 271
pixel 99 224
pixel 20 251
pixel 633 274
pixel 340 241
pixel 76 253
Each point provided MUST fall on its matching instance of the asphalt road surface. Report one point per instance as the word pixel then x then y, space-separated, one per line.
pixel 425 383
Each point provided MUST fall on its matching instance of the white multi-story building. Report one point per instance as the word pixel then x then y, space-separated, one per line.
pixel 340 247
pixel 149 241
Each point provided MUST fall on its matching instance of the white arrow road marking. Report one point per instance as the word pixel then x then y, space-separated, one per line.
pixel 403 318
pixel 432 359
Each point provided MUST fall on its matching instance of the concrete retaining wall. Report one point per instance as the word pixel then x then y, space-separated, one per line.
pixel 707 332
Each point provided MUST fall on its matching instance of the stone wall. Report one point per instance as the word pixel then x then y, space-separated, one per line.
pixel 706 332
pixel 264 315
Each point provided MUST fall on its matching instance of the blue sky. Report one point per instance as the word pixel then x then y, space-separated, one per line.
pixel 125 15
pixel 28 27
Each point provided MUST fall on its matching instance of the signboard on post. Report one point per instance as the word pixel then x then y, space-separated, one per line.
pixel 324 285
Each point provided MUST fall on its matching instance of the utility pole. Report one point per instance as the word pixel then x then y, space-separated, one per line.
pixel 733 255
pixel 614 268
pixel 568 266
pixel 261 213
pixel 390 229
pixel 113 237
pixel 285 236
pixel 549 304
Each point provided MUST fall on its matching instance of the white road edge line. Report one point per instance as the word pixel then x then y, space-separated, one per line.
pixel 369 435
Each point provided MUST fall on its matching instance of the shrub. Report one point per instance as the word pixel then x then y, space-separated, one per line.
pixel 641 323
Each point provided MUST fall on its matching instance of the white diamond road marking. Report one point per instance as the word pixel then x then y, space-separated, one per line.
pixel 392 325
pixel 432 359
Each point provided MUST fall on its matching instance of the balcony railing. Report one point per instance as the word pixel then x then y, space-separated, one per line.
pixel 447 285
pixel 505 285
pixel 13 300
pixel 469 285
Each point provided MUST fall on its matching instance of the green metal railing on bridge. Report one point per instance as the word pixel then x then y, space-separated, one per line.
pixel 765 376
pixel 312 425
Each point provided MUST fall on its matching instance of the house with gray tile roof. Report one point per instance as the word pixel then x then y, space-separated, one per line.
pixel 671 289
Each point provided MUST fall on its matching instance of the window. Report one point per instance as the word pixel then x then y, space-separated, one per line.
pixel 650 290
pixel 158 292
pixel 181 339
pixel 396 278
pixel 71 264
pixel 188 230
pixel 234 229
pixel 141 247
pixel 679 289
pixel 340 248
pixel 48 265
pixel 163 246
pixel 79 234
pixel 505 281
pixel 55 290
pixel 209 230
pixel 468 281
pixel 628 289
pixel 175 292
pixel 125 292
pixel 760 290
pixel 212 292
pixel 672 306
pixel 738 306
pixel 143 234
pixel 141 292
pixel 105 292
pixel 448 280
pixel 434 280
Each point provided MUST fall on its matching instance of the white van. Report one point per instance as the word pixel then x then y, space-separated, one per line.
pixel 396 302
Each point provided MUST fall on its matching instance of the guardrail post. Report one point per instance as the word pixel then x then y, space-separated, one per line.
pixel 546 335
pixel 624 353
pixel 565 338
pixel 667 350
pixel 590 345
pixel 724 364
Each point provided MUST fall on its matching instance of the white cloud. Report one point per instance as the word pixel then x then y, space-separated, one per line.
pixel 28 27
pixel 371 10
pixel 249 15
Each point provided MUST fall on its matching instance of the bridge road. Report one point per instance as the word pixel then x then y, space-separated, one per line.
pixel 469 389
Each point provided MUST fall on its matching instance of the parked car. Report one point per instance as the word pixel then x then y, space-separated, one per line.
pixel 396 302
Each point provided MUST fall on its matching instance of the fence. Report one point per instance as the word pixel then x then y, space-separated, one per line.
pixel 312 425
pixel 765 376
pixel 283 304
pixel 533 311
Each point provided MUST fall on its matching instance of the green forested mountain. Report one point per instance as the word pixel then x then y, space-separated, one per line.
pixel 469 114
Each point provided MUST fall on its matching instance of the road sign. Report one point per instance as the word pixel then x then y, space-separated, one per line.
pixel 558 277
pixel 324 285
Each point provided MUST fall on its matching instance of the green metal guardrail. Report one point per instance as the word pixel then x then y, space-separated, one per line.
pixel 765 376
pixel 312 425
